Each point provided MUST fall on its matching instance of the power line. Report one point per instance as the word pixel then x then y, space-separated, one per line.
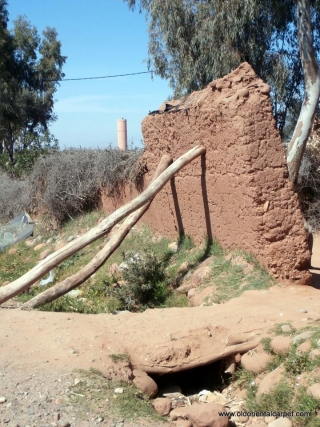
pixel 104 77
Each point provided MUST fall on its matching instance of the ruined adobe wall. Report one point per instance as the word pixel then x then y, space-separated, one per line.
pixel 239 192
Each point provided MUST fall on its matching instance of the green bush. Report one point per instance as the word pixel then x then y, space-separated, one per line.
pixel 145 281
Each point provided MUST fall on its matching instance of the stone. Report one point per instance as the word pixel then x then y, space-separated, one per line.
pixel 314 353
pixel 255 362
pixel 162 405
pixel 29 243
pixel 184 267
pixel 12 251
pixel 191 293
pixel 182 423
pixel 64 424
pixel 281 422
pixel 118 390
pixel 39 246
pixel 303 310
pixel 173 247
pixel 314 390
pixel 269 419
pixel 271 380
pixel 304 347
pixel 44 254
pixel 3 399
pixel 302 337
pixel 199 275
pixel 286 328
pixel 70 238
pixel 75 293
pixel 145 383
pixel 202 415
pixel 281 344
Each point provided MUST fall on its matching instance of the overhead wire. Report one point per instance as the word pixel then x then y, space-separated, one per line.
pixel 104 77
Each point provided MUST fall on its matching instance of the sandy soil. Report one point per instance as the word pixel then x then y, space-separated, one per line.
pixel 40 350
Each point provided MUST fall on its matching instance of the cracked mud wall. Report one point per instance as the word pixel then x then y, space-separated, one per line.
pixel 239 191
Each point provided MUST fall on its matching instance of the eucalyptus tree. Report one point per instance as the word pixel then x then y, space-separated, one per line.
pixel 192 42
pixel 29 79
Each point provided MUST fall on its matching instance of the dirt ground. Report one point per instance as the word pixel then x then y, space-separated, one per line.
pixel 39 351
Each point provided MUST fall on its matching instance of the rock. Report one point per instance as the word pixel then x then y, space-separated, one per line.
pixel 206 296
pixel 202 415
pixel 56 416
pixel 64 424
pixel 118 390
pixel 40 246
pixel 230 364
pixel 184 267
pixel 29 243
pixel 270 380
pixel 75 293
pixel 304 347
pixel 182 423
pixel 281 422
pixel 286 328
pixel 269 419
pixel 145 383
pixel 70 238
pixel 315 353
pixel 281 344
pixel 259 424
pixel 314 391
pixel 255 362
pixel 191 292
pixel 3 399
pixel 199 275
pixel 44 254
pixel 302 337
pixel 12 251
pixel 162 405
pixel 173 247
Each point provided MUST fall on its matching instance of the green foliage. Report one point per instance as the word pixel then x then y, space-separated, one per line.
pixel 193 42
pixel 145 281
pixel 94 389
pixel 31 69
pixel 279 399
pixel 266 344
pixel 25 159
pixel 119 357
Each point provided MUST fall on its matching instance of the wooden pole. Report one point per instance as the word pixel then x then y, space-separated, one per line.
pixel 81 276
pixel 98 231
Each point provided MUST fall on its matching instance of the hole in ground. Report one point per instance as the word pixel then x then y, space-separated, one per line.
pixel 192 381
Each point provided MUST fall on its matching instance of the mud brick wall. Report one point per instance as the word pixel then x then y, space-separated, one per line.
pixel 239 191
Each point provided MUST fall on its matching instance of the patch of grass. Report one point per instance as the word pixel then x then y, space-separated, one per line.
pixel 266 344
pixel 95 393
pixel 279 399
pixel 176 300
pixel 244 378
pixel 278 331
pixel 119 358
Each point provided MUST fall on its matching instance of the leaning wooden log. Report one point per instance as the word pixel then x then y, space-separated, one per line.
pixel 81 276
pixel 98 231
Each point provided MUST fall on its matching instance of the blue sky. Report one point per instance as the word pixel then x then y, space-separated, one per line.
pixel 99 37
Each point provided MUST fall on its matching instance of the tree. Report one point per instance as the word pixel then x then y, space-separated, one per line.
pixel 192 42
pixel 31 74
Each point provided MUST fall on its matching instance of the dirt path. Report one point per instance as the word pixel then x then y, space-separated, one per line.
pixel 39 350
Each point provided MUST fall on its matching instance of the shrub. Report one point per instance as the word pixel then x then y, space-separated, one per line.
pixel 70 181
pixel 14 197
pixel 145 282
